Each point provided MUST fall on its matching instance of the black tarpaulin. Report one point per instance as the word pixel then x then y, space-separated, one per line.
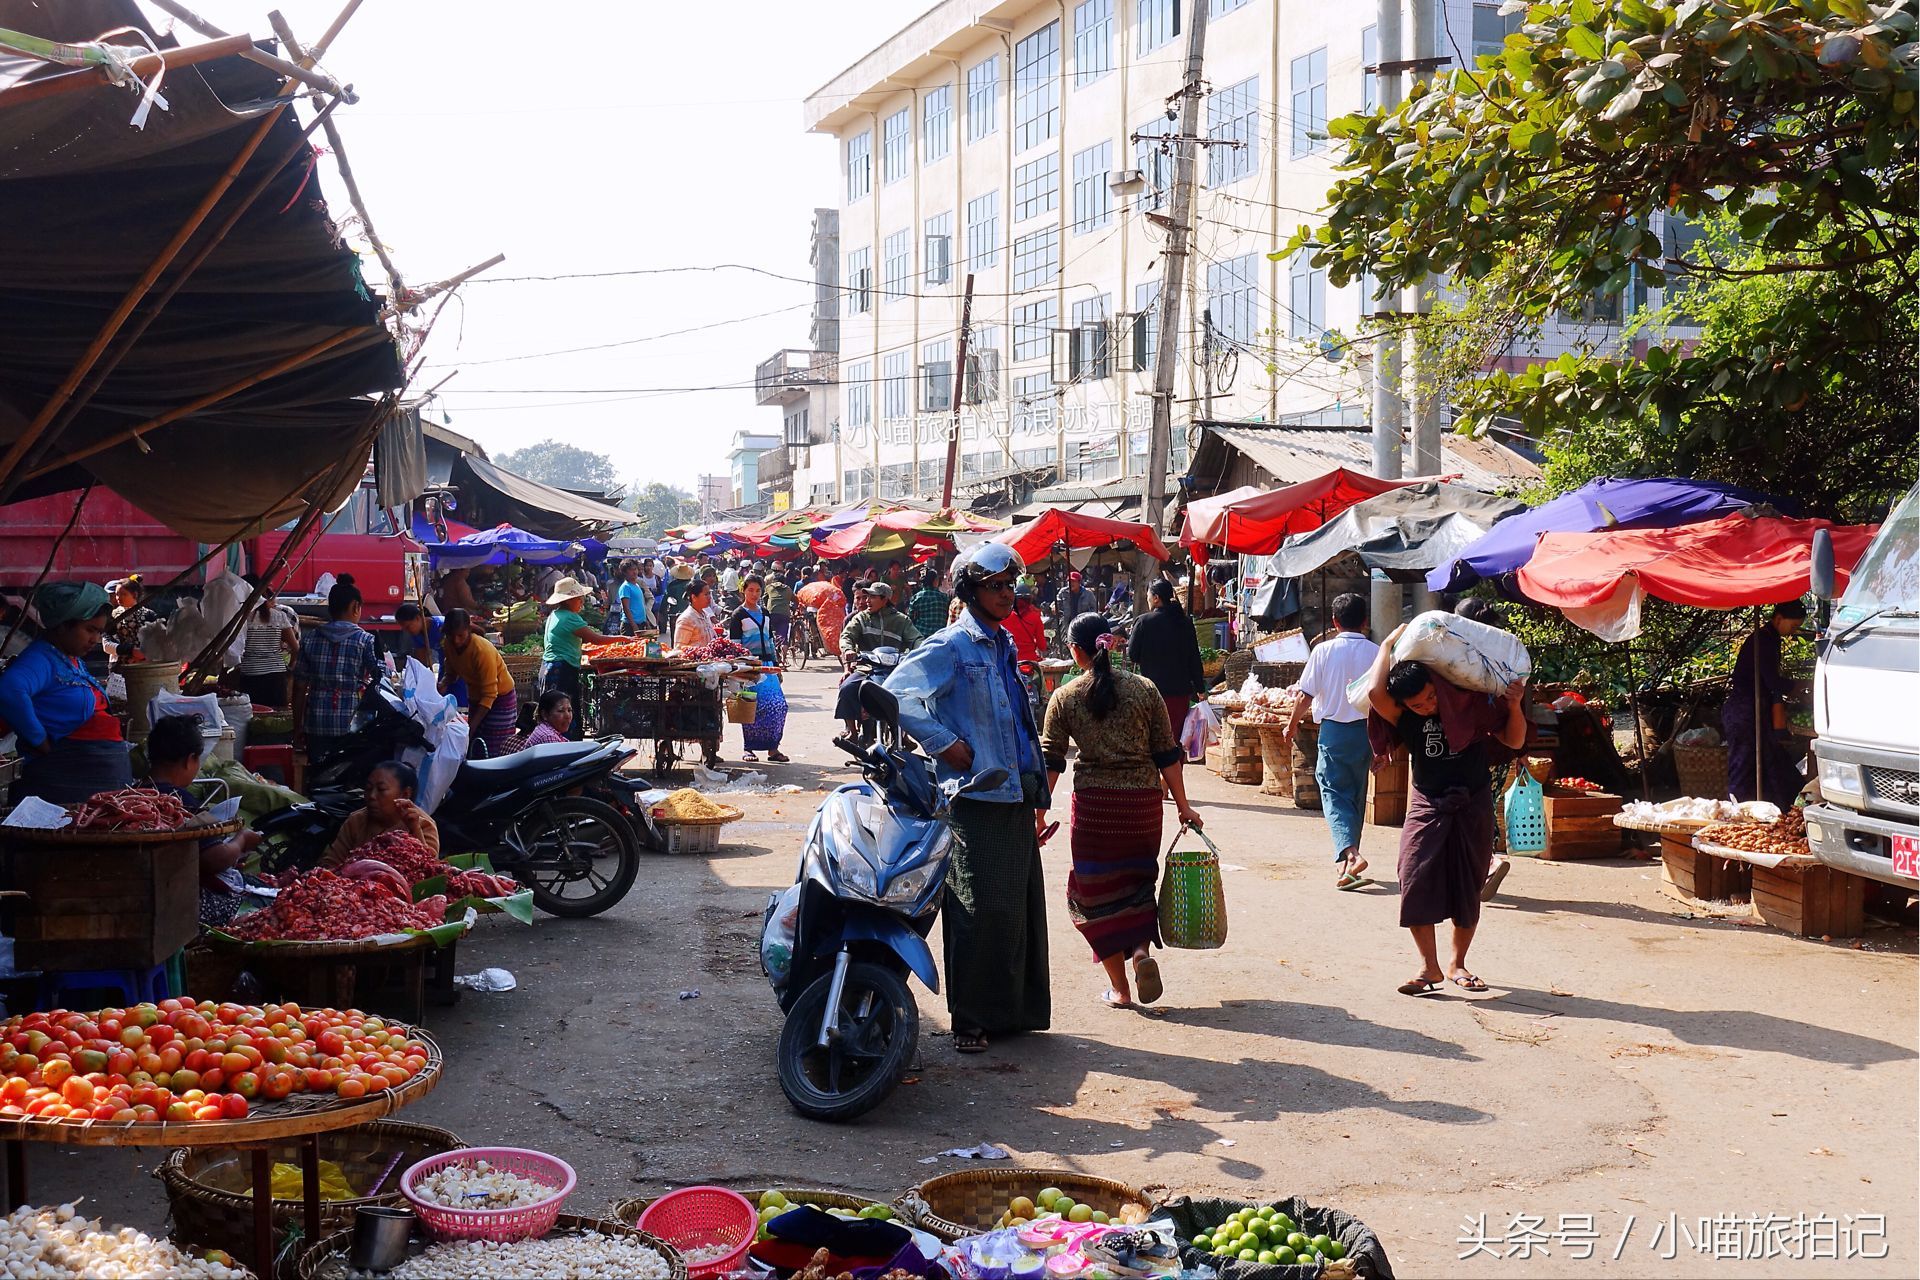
pixel 86 204
pixel 537 507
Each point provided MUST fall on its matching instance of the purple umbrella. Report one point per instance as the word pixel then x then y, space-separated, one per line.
pixel 1651 503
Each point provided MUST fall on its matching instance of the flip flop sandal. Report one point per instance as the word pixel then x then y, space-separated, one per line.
pixel 1146 979
pixel 970 1041
pixel 1467 982
pixel 749 757
pixel 779 758
pixel 1111 999
pixel 1422 987
pixel 1492 886
pixel 1347 884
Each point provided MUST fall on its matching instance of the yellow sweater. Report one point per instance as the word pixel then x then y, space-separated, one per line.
pixel 482 667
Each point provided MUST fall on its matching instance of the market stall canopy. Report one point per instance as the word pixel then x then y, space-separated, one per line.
pixel 1402 532
pixel 1599 579
pixel 1659 502
pixel 1254 522
pixel 89 204
pixel 1036 540
pixel 891 531
pixel 499 545
pixel 538 506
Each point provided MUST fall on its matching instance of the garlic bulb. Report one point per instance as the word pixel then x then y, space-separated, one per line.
pixel 58 1244
pixel 586 1256
pixel 478 1185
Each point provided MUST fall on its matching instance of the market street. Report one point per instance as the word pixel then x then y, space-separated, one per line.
pixel 1631 1061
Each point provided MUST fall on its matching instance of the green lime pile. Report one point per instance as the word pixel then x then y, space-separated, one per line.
pixel 1051 1200
pixel 775 1203
pixel 1267 1236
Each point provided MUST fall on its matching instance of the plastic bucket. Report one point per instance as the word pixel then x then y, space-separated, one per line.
pixel 144 679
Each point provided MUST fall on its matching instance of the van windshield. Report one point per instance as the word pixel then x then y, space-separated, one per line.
pixel 1888 575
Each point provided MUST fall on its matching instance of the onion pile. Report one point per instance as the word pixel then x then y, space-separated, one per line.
pixel 57 1244
pixel 587 1256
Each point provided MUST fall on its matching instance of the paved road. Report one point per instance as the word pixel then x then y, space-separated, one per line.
pixel 1632 1060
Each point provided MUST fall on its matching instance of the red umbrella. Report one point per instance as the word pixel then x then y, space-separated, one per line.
pixel 1724 563
pixel 1035 540
pixel 1251 521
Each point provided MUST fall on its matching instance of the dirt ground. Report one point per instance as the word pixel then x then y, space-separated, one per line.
pixel 1668 1093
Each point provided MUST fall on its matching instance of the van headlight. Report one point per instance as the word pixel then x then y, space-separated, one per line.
pixel 1842 778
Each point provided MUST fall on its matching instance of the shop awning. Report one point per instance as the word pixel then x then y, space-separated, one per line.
pixel 1037 540
pixel 89 203
pixel 546 508
pixel 1254 522
pixel 1659 502
pixel 500 545
pixel 1402 532
pixel 1600 579
pixel 889 532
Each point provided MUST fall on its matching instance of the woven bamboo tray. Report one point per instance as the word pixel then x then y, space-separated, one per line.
pixel 954 1205
pixel 731 815
pixel 1673 827
pixel 207 1215
pixel 327 1260
pixel 629 1210
pixel 66 836
pixel 293 1117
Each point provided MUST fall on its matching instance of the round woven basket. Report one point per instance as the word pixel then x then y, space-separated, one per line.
pixel 1236 665
pixel 965 1204
pixel 209 1189
pixel 327 1260
pixel 731 815
pixel 525 670
pixel 629 1210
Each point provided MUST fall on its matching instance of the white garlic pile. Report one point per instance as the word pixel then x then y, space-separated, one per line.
pixel 58 1244
pixel 478 1185
pixel 586 1256
pixel 700 1255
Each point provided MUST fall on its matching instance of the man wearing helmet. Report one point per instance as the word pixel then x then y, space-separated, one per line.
pixel 962 700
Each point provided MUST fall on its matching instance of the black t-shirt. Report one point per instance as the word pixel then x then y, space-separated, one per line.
pixel 1436 769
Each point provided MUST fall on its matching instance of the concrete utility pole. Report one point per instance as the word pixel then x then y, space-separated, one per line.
pixel 1172 280
pixel 1389 422
pixel 959 395
pixel 1425 392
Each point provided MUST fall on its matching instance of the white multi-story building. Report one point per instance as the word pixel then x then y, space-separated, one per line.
pixel 1016 142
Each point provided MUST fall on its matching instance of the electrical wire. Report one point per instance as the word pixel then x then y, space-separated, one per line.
pixel 624 342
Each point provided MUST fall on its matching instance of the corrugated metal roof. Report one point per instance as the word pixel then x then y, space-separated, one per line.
pixel 1295 454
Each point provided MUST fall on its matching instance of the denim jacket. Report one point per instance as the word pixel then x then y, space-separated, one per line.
pixel 956 687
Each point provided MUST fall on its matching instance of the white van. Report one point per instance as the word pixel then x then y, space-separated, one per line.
pixel 1866 708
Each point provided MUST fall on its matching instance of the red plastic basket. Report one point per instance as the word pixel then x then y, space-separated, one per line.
pixel 701 1218
pixel 525 1222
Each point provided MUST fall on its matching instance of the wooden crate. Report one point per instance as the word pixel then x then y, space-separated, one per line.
pixel 1240 754
pixel 1389 807
pixel 1813 902
pixel 1702 875
pixel 1580 824
pixel 1306 752
pixel 104 906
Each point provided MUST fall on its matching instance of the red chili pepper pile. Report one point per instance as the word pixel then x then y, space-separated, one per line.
pixel 134 809
pixel 479 884
pixel 404 853
pixel 324 907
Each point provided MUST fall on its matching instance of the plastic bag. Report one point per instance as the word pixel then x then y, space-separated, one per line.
pixel 447 734
pixel 1193 736
pixel 776 936
pixel 1470 654
pixel 205 707
pixel 1525 810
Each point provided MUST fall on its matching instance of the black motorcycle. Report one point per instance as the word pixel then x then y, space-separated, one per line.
pixel 533 813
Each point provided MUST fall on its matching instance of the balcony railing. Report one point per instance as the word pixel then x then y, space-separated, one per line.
pixel 786 376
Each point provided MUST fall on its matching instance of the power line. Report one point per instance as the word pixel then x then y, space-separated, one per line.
pixel 624 342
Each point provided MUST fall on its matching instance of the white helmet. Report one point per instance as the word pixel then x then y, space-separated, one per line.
pixel 982 561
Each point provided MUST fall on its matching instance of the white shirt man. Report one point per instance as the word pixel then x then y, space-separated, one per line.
pixel 1338 661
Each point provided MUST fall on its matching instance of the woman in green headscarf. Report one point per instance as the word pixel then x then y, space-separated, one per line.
pixel 71 745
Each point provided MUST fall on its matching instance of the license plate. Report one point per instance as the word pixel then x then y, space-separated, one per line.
pixel 1906 855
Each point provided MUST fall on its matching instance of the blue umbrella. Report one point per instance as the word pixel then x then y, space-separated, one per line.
pixel 1651 503
pixel 497 546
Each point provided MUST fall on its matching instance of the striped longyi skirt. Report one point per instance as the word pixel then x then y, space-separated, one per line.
pixel 1116 847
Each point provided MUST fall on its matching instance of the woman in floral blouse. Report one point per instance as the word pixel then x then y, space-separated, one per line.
pixel 1128 760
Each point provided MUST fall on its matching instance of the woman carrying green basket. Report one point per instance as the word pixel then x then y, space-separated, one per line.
pixel 1127 752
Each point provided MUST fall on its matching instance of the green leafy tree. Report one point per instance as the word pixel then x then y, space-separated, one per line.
pixel 1540 173
pixel 662 507
pixel 567 466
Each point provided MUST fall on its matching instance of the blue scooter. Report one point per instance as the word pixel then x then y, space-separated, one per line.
pixel 839 944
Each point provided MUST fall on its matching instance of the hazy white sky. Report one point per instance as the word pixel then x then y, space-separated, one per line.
pixel 593 135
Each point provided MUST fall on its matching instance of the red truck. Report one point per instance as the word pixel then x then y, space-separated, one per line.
pixel 113 538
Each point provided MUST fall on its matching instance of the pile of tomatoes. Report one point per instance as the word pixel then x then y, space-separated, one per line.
pixel 1577 784
pixel 181 1061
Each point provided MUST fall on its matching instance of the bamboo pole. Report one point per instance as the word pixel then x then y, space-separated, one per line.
pixel 144 66
pixel 130 338
pixel 359 203
pixel 353 339
pixel 312 79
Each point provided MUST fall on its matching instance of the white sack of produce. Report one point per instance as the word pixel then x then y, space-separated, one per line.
pixel 1470 654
